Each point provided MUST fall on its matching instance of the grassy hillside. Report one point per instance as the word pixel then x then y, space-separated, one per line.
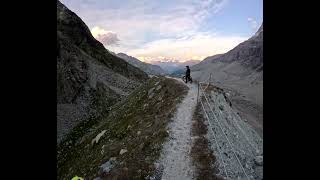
pixel 136 125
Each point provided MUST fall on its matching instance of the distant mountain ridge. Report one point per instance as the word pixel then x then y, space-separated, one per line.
pixel 206 60
pixel 146 67
pixel 174 66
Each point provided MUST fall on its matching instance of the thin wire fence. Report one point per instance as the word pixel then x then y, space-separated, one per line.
pixel 201 92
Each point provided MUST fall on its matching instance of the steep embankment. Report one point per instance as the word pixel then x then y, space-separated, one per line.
pixel 89 78
pixel 236 145
pixel 240 72
pixel 125 143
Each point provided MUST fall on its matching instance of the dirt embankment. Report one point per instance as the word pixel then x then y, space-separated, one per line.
pixel 202 156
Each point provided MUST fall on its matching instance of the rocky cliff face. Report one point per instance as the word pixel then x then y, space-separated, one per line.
pixel 248 53
pixel 89 78
pixel 147 68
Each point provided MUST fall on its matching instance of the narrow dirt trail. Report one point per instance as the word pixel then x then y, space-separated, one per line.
pixel 175 159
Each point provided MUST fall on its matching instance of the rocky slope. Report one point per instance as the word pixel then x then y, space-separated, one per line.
pixel 240 72
pixel 236 145
pixel 249 54
pixel 205 61
pixel 89 78
pixel 147 68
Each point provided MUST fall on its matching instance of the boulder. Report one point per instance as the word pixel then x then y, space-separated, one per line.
pixel 97 138
pixel 122 151
pixel 258 160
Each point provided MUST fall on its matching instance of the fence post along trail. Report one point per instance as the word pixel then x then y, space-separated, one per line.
pixel 233 158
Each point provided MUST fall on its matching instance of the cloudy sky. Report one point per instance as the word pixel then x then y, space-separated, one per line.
pixel 169 29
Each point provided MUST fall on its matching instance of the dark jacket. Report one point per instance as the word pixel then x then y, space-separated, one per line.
pixel 188 72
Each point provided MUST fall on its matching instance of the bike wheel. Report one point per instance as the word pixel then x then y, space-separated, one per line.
pixel 184 78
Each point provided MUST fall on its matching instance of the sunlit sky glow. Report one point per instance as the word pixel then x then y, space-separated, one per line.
pixel 169 29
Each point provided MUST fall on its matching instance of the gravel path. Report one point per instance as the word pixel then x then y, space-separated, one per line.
pixel 239 152
pixel 175 161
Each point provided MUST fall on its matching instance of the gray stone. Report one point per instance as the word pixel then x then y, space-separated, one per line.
pixel 97 138
pixel 158 87
pixel 107 166
pixel 247 166
pixel 122 151
pixel 258 160
pixel 102 149
pixel 150 91
pixel 151 95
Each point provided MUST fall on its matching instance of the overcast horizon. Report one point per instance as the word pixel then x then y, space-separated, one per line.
pixel 177 30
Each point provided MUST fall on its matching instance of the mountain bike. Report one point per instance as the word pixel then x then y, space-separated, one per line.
pixel 184 79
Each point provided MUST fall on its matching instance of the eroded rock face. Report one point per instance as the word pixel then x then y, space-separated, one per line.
pixel 89 78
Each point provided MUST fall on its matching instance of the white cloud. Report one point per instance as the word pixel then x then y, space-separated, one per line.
pixel 98 31
pixel 197 48
pixel 133 19
pixel 149 29
pixel 253 24
pixel 105 37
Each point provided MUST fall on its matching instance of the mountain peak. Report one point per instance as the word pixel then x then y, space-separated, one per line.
pixel 260 31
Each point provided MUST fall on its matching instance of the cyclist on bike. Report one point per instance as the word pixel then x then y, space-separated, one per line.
pixel 188 77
